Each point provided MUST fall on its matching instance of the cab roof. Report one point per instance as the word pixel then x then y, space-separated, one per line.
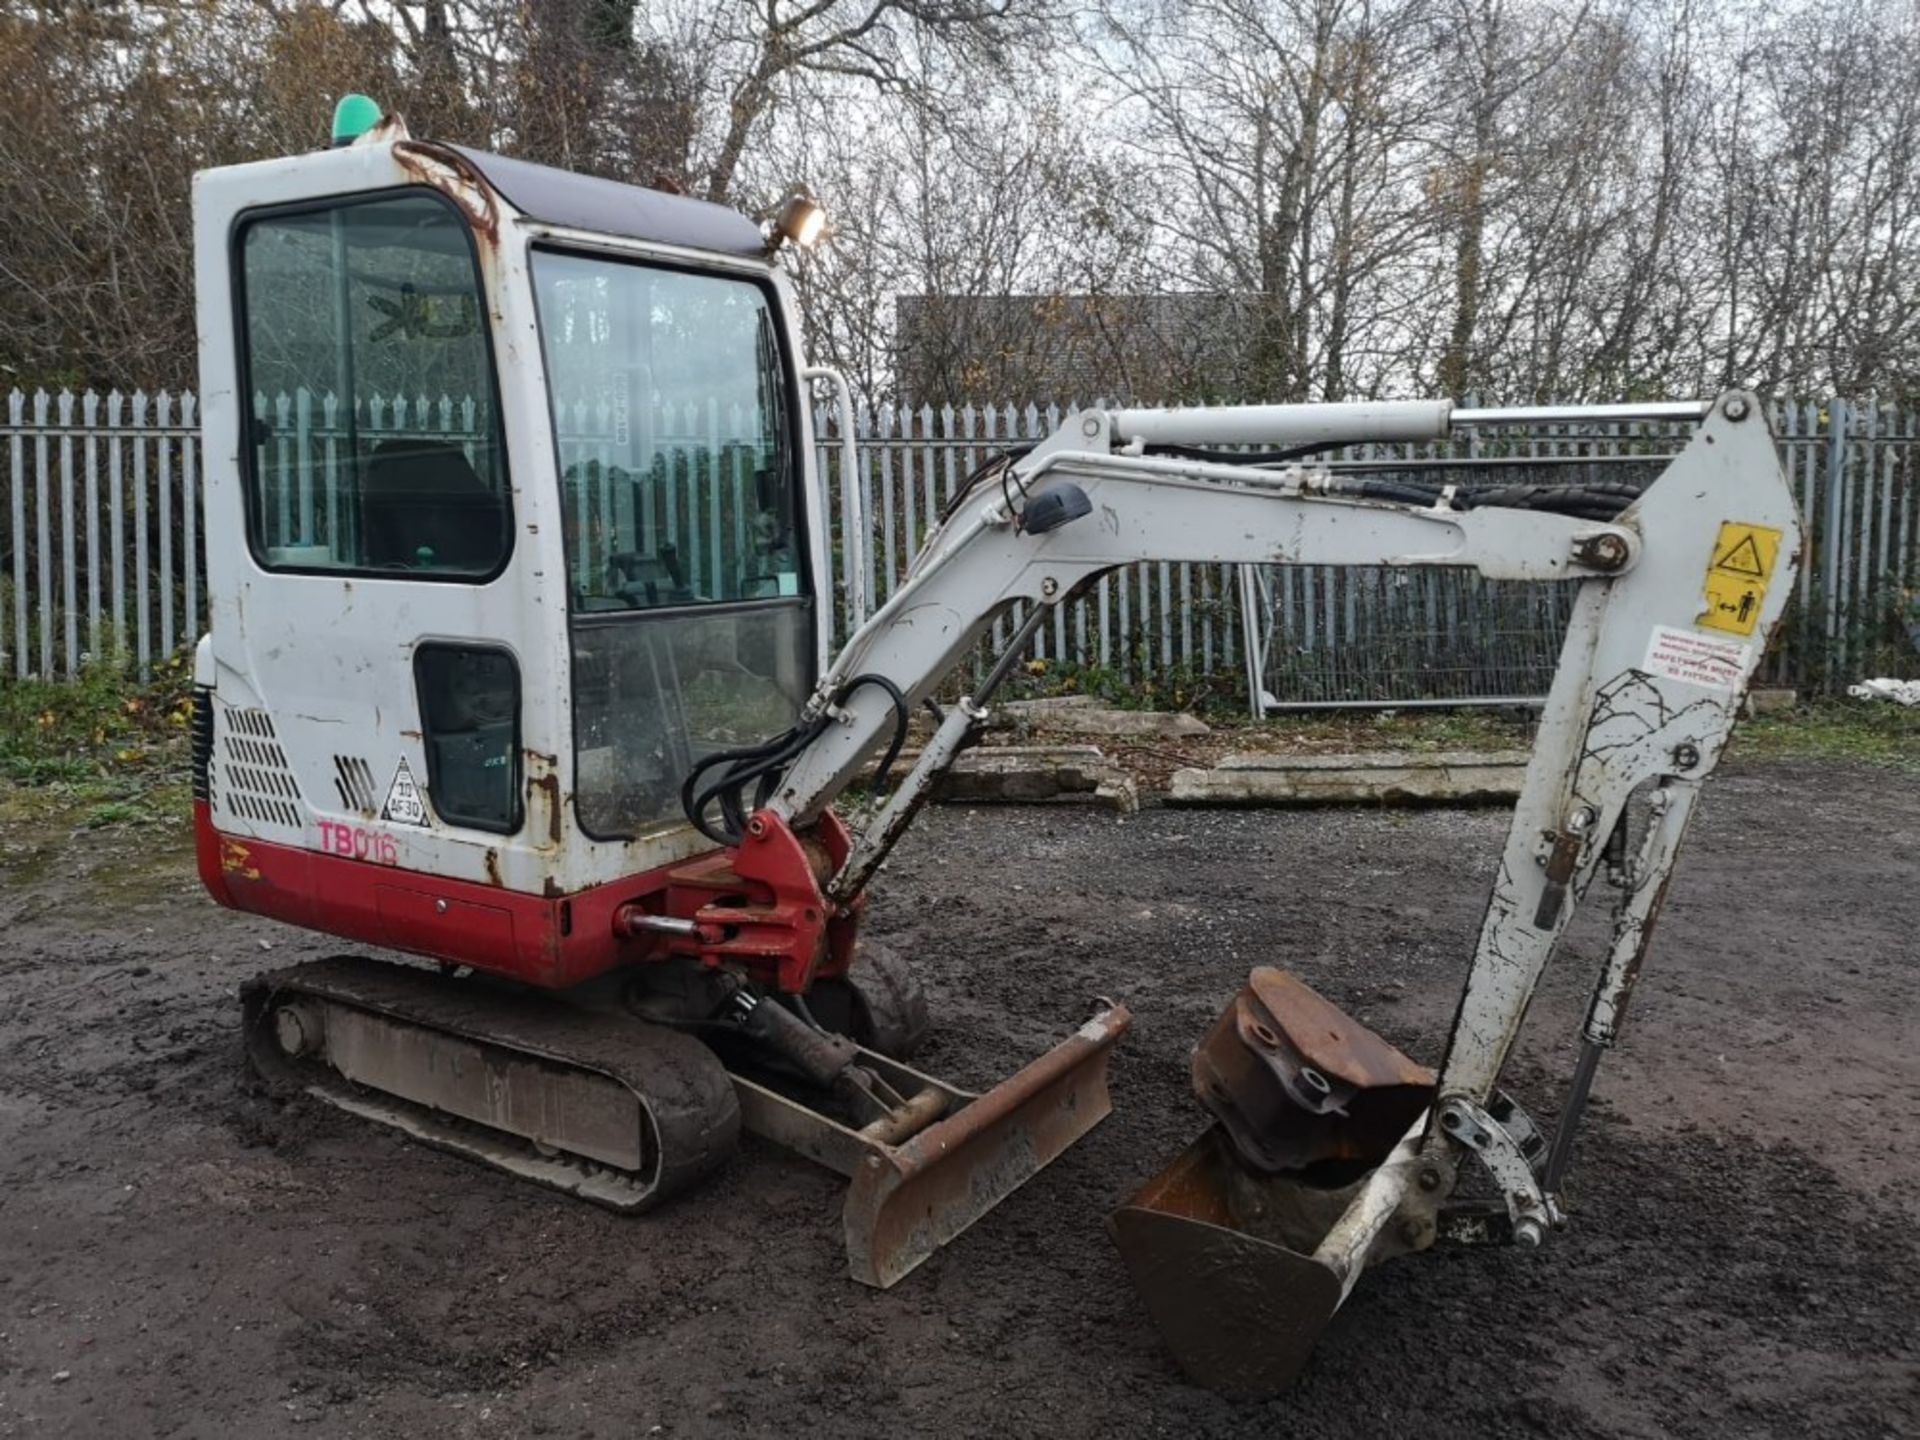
pixel 586 202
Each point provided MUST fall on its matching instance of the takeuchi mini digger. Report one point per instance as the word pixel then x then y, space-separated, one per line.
pixel 519 663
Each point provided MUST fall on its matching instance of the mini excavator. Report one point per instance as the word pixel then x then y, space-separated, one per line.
pixel 519 556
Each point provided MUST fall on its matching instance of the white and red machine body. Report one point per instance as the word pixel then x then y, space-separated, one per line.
pixel 518 554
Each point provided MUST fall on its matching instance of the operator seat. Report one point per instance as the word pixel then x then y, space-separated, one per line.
pixel 424 506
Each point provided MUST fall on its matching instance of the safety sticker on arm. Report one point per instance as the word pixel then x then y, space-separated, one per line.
pixel 1697 659
pixel 1737 576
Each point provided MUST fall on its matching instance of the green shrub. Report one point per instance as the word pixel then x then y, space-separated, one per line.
pixel 97 725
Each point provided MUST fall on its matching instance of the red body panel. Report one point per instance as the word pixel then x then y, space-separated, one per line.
pixel 760 908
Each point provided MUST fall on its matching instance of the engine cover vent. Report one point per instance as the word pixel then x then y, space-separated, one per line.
pixel 353 779
pixel 255 781
pixel 203 744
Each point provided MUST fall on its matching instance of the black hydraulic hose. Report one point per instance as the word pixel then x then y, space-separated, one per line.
pixel 746 766
pixel 695 804
pixel 694 801
pixel 766 762
pixel 1402 492
pixel 1602 501
pixel 903 717
pixel 977 474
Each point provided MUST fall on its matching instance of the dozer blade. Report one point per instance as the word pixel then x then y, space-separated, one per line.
pixel 1244 1247
pixel 918 1182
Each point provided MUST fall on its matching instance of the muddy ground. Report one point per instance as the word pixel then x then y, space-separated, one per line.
pixel 180 1256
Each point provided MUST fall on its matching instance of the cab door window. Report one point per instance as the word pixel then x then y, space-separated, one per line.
pixel 374 442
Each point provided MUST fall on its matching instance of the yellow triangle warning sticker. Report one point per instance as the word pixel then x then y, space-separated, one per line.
pixel 1743 558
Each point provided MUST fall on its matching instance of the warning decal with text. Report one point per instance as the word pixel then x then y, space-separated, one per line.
pixel 1696 659
pixel 1737 576
pixel 404 804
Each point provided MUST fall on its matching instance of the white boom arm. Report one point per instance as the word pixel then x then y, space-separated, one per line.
pixel 982 560
pixel 1677 598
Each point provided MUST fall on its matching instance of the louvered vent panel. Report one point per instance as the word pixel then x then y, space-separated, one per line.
pixel 255 781
pixel 353 779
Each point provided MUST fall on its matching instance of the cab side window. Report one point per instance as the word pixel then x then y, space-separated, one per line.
pixel 470 722
pixel 375 441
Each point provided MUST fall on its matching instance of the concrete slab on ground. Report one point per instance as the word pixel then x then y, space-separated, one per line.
pixel 1771 700
pixel 1033 774
pixel 1454 777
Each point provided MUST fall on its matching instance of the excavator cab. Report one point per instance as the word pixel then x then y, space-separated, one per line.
pixel 528 448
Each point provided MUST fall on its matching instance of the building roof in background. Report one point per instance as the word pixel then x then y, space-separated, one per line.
pixel 1070 347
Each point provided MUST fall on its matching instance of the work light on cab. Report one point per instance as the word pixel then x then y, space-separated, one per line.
pixel 799 220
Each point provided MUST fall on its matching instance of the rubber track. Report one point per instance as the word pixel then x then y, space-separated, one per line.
pixel 681 1082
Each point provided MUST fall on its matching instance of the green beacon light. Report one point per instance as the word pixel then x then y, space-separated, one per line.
pixel 353 117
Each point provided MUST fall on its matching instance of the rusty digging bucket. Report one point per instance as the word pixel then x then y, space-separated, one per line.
pixel 1245 1246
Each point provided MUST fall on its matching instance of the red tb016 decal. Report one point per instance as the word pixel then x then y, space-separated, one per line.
pixel 358 843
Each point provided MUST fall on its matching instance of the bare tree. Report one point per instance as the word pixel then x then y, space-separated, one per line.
pixel 762 49
pixel 1193 198
pixel 1278 140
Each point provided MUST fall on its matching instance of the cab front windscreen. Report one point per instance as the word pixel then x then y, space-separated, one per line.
pixel 690 613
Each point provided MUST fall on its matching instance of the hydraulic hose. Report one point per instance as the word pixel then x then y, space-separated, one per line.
pixel 1601 501
pixel 762 766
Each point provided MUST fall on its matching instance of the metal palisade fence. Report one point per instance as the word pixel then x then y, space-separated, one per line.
pixel 100 552
pixel 1155 621
pixel 101 542
pixel 1380 636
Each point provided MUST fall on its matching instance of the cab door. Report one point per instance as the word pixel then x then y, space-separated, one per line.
pixel 690 542
pixel 377 625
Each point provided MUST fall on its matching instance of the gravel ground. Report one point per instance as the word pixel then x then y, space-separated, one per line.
pixel 180 1255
